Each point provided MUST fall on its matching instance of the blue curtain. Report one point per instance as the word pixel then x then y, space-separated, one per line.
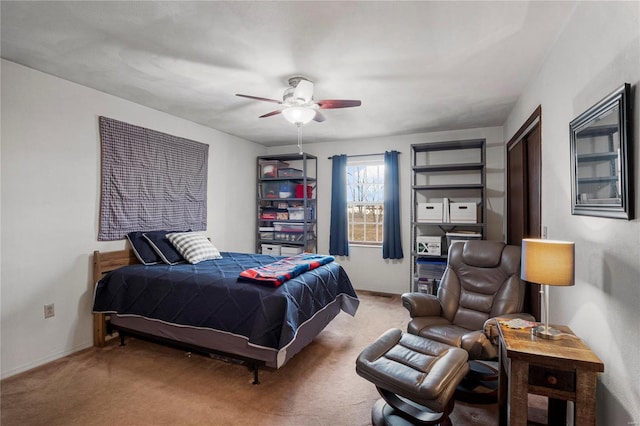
pixel 391 242
pixel 338 233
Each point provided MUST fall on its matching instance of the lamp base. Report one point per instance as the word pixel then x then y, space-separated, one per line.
pixel 546 332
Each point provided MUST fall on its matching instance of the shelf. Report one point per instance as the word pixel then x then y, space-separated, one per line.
pixel 449 146
pixel 288 220
pixel 598 156
pixel 308 167
pixel 596 131
pixel 448 167
pixel 598 179
pixel 280 179
pixel 455 162
pixel 286 242
pixel 448 187
pixel 455 224
pixel 428 256
pixel 283 200
pixel 287 157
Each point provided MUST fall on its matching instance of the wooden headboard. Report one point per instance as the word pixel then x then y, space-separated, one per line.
pixel 103 263
pixel 110 260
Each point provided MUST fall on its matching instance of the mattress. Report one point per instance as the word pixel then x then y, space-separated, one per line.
pixel 206 303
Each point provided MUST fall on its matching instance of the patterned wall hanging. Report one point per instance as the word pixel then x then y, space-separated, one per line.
pixel 150 181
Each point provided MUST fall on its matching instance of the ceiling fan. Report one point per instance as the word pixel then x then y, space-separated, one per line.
pixel 298 104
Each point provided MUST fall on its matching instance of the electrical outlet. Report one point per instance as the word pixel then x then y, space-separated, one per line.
pixel 544 232
pixel 49 310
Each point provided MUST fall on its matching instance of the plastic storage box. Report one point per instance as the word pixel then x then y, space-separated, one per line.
pixel 290 172
pixel 430 269
pixel 291 227
pixel 298 213
pixel 278 189
pixel 270 168
pixel 266 232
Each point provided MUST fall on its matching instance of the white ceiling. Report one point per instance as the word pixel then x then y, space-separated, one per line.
pixel 416 66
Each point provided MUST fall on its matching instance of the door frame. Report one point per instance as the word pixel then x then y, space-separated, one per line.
pixel 534 120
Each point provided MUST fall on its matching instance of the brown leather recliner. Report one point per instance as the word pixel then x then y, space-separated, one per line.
pixel 481 282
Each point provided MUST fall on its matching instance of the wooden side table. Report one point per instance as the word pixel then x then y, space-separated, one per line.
pixel 563 370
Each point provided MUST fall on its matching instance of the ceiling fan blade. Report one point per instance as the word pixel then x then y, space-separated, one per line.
pixel 269 114
pixel 338 103
pixel 259 98
pixel 319 117
pixel 304 90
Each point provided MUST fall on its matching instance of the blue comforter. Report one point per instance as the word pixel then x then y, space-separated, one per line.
pixel 209 295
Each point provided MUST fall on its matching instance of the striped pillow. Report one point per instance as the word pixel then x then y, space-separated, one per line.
pixel 194 247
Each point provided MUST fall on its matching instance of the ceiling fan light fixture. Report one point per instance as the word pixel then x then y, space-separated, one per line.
pixel 299 115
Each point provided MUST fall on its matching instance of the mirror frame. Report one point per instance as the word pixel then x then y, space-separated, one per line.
pixel 620 98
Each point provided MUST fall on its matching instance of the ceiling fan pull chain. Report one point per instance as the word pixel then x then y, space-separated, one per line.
pixel 299 137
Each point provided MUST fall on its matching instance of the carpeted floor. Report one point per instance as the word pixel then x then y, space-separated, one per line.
pixel 144 383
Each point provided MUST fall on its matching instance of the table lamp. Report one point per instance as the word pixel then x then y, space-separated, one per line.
pixel 547 262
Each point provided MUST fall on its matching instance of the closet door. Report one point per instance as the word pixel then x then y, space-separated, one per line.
pixel 516 195
pixel 523 194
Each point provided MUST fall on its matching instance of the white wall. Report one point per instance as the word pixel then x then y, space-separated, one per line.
pixel 50 202
pixel 598 51
pixel 365 265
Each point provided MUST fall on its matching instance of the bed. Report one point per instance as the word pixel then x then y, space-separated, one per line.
pixel 205 306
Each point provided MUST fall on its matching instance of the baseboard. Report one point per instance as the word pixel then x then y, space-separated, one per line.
pixel 43 361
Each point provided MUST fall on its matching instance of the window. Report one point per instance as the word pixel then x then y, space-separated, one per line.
pixel 365 200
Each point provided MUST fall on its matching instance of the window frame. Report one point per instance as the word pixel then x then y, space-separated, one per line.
pixel 377 204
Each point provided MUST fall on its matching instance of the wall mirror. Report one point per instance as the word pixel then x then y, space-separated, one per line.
pixel 600 149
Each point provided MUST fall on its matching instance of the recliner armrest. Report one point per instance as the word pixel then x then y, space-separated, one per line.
pixel 421 304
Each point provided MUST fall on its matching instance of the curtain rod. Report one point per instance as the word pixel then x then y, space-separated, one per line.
pixel 363 155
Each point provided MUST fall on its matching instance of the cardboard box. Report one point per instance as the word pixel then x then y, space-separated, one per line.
pixel 272 249
pixel 429 245
pixel 429 212
pixel 463 212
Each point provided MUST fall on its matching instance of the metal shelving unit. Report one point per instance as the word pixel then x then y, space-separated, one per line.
pixel 454 170
pixel 279 192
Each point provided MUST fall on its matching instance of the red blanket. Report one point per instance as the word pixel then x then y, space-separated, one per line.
pixel 274 274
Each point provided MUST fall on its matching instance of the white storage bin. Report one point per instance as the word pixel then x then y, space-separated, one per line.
pixel 463 212
pixel 290 251
pixel 462 236
pixel 272 249
pixel 429 245
pixel 429 212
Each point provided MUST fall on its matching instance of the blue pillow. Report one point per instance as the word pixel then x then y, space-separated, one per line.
pixel 142 249
pixel 163 247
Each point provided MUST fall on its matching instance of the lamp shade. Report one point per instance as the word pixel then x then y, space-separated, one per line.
pixel 548 262
pixel 299 115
